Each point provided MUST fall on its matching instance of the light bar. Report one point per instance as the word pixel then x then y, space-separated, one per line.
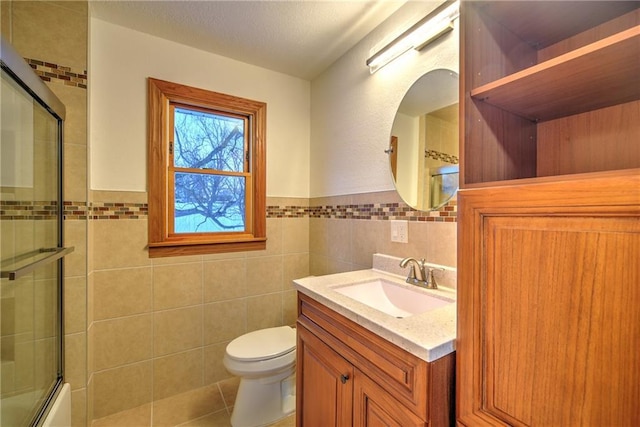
pixel 424 32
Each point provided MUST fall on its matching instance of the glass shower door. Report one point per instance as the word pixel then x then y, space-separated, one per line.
pixel 30 254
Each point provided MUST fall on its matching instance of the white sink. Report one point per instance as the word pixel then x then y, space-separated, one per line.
pixel 391 298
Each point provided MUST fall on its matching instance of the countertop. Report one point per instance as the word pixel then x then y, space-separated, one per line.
pixel 429 335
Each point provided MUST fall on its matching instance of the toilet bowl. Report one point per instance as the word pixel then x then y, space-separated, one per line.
pixel 265 361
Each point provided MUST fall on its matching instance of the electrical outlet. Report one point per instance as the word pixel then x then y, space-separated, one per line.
pixel 399 231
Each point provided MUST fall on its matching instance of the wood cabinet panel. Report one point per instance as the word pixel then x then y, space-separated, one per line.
pixel 374 407
pixel 324 384
pixel 561 317
pixel 598 140
pixel 623 16
pixel 546 23
pixel 442 392
pixel 549 289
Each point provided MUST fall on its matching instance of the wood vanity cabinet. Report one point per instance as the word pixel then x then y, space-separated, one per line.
pixel 549 214
pixel 348 376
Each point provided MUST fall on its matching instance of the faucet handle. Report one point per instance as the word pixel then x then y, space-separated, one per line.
pixel 412 274
pixel 431 280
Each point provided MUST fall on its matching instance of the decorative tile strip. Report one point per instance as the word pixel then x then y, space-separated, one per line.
pixel 75 210
pixel 287 211
pixel 55 73
pixel 27 210
pixel 438 155
pixel 375 212
pixel 384 212
pixel 106 210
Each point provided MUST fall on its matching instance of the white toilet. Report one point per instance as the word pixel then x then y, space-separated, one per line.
pixel 265 361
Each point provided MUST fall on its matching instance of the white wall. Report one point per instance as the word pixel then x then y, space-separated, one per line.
pixel 324 138
pixel 120 61
pixel 352 111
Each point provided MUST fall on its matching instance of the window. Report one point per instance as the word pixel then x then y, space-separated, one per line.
pixel 206 171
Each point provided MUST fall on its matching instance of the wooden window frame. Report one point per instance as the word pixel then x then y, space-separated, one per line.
pixel 162 95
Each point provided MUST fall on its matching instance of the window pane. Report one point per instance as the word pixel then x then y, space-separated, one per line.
pixel 209 203
pixel 208 141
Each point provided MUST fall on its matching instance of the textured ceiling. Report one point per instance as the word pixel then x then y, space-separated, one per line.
pixel 298 37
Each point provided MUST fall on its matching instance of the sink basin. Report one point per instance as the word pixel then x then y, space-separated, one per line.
pixel 392 298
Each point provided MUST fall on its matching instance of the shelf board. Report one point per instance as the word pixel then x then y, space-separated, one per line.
pixel 633 172
pixel 595 76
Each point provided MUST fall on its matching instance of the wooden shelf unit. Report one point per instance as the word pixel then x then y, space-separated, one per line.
pixel 549 214
pixel 526 86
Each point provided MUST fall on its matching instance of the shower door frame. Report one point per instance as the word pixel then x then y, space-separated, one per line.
pixel 23 75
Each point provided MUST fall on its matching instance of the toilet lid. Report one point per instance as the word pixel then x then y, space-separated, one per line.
pixel 263 344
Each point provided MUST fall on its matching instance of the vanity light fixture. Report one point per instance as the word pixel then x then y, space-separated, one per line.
pixel 424 32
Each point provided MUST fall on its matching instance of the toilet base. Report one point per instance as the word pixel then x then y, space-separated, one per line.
pixel 261 401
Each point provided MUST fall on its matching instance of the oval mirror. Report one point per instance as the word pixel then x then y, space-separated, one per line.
pixel 423 151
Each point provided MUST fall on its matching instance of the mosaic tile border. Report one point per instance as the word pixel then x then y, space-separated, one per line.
pixel 384 212
pixel 21 210
pixel 438 155
pixel 55 73
pixel 375 212
pixel 28 210
pixel 75 210
pixel 106 210
pixel 287 211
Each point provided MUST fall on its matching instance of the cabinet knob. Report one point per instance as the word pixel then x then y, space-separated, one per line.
pixel 344 378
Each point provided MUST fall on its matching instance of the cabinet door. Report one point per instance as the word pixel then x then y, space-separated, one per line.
pixel 375 407
pixel 549 324
pixel 324 384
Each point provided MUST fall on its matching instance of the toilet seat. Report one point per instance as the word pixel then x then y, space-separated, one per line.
pixel 263 344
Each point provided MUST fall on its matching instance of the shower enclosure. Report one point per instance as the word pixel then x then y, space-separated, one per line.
pixel 31 249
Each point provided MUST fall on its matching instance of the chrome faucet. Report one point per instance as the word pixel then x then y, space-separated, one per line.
pixel 418 276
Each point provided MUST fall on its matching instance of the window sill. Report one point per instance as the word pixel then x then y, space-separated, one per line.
pixel 167 249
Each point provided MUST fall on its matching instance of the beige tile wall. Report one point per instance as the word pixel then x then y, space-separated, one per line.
pixel 175 316
pixel 159 326
pixel 338 245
